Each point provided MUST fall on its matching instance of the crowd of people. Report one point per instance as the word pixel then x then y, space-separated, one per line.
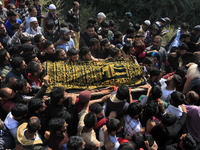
pixel 167 116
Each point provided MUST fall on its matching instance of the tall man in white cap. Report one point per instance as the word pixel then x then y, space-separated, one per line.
pixel 66 39
pixel 3 12
pixel 51 15
pixel 32 13
pixel 34 27
pixel 144 27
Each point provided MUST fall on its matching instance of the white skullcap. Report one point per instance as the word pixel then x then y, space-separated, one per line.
pixel 52 6
pixel 1 3
pixel 147 22
pixel 101 15
pixel 32 19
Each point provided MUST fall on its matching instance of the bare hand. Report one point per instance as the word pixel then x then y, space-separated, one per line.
pixel 47 135
pixel 46 80
pixel 153 147
pixel 105 98
pixel 72 98
pixel 113 114
pixel 183 108
pixel 146 86
pixel 161 105
pixel 109 145
pixel 150 124
pixel 19 147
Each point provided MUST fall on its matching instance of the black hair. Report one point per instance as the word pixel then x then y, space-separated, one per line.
pixel 96 108
pixel 15 26
pixel 72 52
pixel 19 84
pixel 59 50
pixel 184 35
pixel 185 26
pixel 28 2
pixel 3 55
pixel 113 124
pixel 154 72
pixel 122 92
pixel 33 125
pixel 90 120
pixel 127 47
pixel 114 51
pixel 91 21
pixel 168 119
pixel 47 44
pixel 25 39
pixel 156 92
pixel 134 109
pixel 11 13
pixel 181 71
pixel 21 0
pixel 154 27
pixel 35 104
pixel 127 146
pixel 193 99
pixel 93 41
pixel 84 51
pixel 56 94
pixel 104 41
pixel 117 34
pixel 183 46
pixel 70 25
pixel 138 139
pixel 152 108
pixel 37 38
pixel 30 9
pixel 189 142
pixel 177 80
pixel 74 143
pixel 33 67
pixel 105 24
pixel 56 124
pixel 16 62
pixel 130 30
pixel 137 26
pixel 19 110
pixel 50 24
pixel 89 26
pixel 148 61
pixel 178 98
pixel 112 23
pixel 63 24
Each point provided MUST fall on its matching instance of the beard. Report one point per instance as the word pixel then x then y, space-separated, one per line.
pixel 66 39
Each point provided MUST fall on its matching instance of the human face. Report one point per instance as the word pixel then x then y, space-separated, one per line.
pixel 3 30
pixel 74 58
pixel 34 24
pixel 23 66
pixel 105 29
pixel 156 43
pixel 76 8
pixel 66 37
pixel 36 59
pixel 107 46
pixel 22 4
pixel 27 89
pixel 88 56
pixel 52 11
pixel 33 13
pixel 13 7
pixel 64 127
pixel 100 115
pixel 41 109
pixel 9 94
pixel 90 32
pixel 51 49
pixel 42 40
pixel 13 19
pixel 36 2
pixel 62 55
